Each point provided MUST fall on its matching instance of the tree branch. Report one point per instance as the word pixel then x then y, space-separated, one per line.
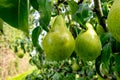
pixel 99 13
pixel 80 1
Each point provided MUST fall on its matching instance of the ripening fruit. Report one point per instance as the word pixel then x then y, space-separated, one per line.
pixel 20 54
pixel 59 43
pixel 113 20
pixel 87 44
pixel 75 66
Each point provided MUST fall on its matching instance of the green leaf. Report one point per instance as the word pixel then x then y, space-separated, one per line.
pixel 34 4
pixel 115 45
pixel 105 38
pixel 117 61
pixel 105 8
pixel 111 69
pixel 84 9
pixel 82 14
pixel 57 76
pixel 73 6
pixel 97 66
pixel 118 46
pixel 69 76
pixel 15 13
pixel 45 8
pixel 35 35
pixel 105 56
pixel 21 76
pixel 1 25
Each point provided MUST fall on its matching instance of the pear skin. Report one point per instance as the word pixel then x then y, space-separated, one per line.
pixel 59 43
pixel 87 44
pixel 113 20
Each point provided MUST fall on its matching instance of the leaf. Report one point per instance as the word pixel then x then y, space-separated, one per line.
pixel 73 6
pixel 117 61
pixel 97 66
pixel 111 69
pixel 1 25
pixel 69 76
pixel 105 38
pixel 15 13
pixel 34 4
pixel 35 35
pixel 21 76
pixel 84 10
pixel 82 14
pixel 23 13
pixel 57 76
pixel 105 56
pixel 105 8
pixel 117 46
pixel 45 8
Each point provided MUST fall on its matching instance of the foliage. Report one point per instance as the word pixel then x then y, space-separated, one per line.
pixel 63 70
pixel 76 15
pixel 18 13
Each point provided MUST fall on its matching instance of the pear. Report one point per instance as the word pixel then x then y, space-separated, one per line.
pixel 113 20
pixel 59 43
pixel 75 66
pixel 87 44
pixel 20 53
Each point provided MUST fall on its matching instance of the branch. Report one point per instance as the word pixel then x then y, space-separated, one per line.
pixel 80 1
pixel 99 13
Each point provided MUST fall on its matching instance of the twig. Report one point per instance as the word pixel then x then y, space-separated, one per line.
pixel 56 5
pixel 80 1
pixel 99 13
pixel 69 21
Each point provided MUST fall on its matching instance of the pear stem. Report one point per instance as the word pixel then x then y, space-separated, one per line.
pixel 99 13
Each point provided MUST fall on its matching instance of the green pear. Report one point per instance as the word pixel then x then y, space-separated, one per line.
pixel 20 53
pixel 87 44
pixel 75 66
pixel 59 43
pixel 113 20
